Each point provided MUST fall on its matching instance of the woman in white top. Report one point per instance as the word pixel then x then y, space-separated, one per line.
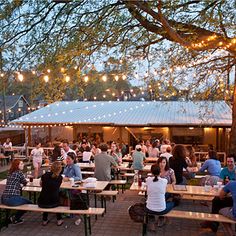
pixel 37 154
pixel 87 154
pixel 156 190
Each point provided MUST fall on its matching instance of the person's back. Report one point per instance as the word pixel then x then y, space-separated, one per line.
pixel 49 196
pixel 138 158
pixel 156 194
pixel 212 166
pixel 103 163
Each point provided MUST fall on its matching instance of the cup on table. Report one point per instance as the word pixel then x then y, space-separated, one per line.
pixel 216 187
pixel 207 188
pixel 72 181
pixel 31 179
pixel 199 164
pixel 219 184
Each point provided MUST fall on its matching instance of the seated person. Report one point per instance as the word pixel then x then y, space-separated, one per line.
pixel 229 171
pixel 156 190
pixel 72 170
pixel 138 158
pixel 229 212
pixel 212 165
pixel 87 154
pixel 49 195
pixel 12 194
pixel 224 205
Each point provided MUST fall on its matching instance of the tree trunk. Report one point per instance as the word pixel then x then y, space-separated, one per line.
pixel 232 147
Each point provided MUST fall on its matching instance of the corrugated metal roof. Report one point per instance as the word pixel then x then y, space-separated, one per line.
pixel 137 113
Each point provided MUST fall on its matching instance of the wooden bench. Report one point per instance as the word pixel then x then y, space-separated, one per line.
pixel 196 197
pixel 190 215
pixel 105 194
pixel 30 190
pixel 87 173
pixel 60 209
pixel 127 176
pixel 118 183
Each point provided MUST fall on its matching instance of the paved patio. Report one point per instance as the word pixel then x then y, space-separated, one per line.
pixel 116 222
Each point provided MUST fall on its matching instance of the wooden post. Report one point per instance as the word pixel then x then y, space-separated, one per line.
pixel 50 133
pixel 29 136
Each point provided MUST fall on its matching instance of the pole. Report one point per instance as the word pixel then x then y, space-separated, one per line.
pixel 3 88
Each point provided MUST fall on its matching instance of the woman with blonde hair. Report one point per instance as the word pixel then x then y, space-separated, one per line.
pixel 49 195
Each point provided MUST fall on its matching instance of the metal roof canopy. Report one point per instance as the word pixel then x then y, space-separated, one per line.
pixel 135 113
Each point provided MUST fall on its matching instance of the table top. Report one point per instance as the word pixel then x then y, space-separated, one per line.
pixel 98 185
pixel 191 190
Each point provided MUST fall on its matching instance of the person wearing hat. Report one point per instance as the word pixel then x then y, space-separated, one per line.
pixel 138 158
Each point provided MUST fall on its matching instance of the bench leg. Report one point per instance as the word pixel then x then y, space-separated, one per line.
pixel 105 203
pixel 89 223
pixel 95 203
pixel 85 226
pixel 145 222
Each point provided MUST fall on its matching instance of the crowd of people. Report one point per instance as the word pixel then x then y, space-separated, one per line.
pixel 174 166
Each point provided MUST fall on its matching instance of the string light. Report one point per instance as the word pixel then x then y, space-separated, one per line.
pixel 20 77
pixel 46 78
pixel 67 78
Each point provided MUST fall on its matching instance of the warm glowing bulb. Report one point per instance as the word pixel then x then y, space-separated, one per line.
pixel 48 70
pixel 62 69
pixel 33 72
pixel 2 74
pixel 86 79
pixel 116 78
pixel 104 78
pixel 46 78
pixel 20 77
pixel 67 78
pixel 123 77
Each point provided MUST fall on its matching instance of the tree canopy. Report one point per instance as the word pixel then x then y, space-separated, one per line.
pixel 184 41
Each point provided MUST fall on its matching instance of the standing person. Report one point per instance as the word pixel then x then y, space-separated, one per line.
pixel 8 148
pixel 177 163
pixel 49 195
pixel 37 154
pixel 12 194
pixel 138 158
pixel 156 190
pixel 103 164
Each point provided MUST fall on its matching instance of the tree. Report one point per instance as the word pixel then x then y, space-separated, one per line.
pixel 199 33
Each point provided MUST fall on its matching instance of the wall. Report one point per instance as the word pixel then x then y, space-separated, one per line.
pixel 210 136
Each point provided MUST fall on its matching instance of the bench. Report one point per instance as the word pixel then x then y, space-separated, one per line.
pixel 118 183
pixel 60 209
pixel 87 173
pixel 105 194
pixel 127 176
pixel 190 215
pixel 196 197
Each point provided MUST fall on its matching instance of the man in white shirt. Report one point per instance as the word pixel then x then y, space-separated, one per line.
pixel 66 149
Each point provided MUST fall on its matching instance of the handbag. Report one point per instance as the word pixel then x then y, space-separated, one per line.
pixel 79 201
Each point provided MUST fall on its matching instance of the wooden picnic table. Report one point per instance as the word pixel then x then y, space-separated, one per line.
pixel 190 190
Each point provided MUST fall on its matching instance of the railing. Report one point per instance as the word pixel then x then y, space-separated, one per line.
pixel 47 150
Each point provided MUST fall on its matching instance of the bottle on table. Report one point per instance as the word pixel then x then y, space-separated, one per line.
pixel 136 177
